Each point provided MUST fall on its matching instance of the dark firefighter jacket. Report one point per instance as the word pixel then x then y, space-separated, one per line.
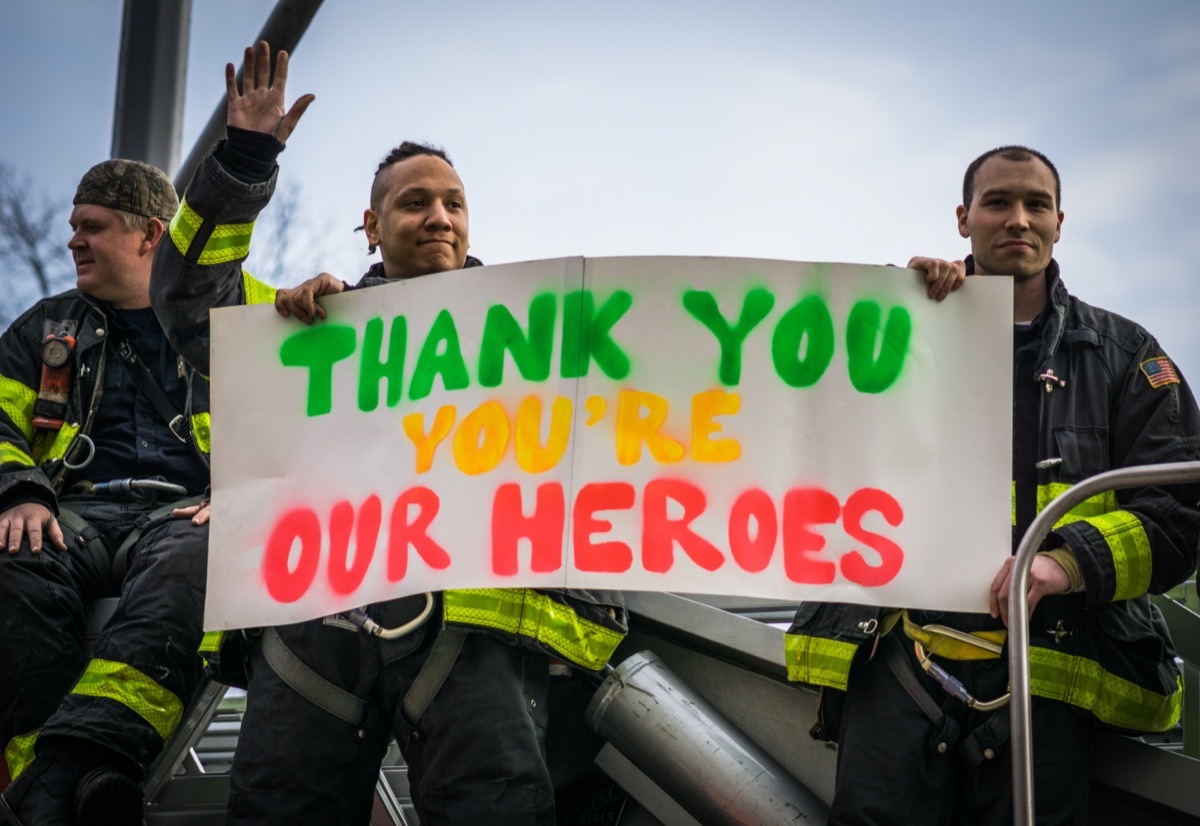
pixel 201 267
pixel 1111 399
pixel 33 461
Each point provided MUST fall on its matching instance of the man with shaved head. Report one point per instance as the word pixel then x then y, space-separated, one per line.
pixel 917 700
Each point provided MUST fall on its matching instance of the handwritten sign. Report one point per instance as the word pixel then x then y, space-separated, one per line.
pixel 703 425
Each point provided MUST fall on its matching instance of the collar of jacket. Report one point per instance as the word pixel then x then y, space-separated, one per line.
pixel 374 276
pixel 1053 316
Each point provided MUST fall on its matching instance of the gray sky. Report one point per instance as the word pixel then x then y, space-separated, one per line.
pixel 761 128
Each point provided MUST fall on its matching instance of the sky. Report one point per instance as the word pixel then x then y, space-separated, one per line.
pixel 758 128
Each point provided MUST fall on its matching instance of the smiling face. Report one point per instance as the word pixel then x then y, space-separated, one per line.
pixel 420 223
pixel 112 263
pixel 1013 219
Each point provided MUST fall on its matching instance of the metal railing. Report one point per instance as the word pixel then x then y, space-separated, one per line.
pixel 1018 601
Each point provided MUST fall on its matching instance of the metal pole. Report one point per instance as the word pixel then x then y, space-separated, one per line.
pixel 151 70
pixel 694 753
pixel 287 24
pixel 1018 606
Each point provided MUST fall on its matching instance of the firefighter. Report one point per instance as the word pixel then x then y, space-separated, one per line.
pixel 464 694
pixel 917 699
pixel 103 471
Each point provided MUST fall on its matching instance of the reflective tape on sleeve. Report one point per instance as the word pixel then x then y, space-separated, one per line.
pixel 1130 547
pixel 131 688
pixel 226 242
pixel 16 400
pixel 1084 683
pixel 184 227
pixel 1121 531
pixel 11 453
pixel 818 661
pixel 529 614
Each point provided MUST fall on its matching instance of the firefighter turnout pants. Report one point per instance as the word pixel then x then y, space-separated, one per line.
pixel 476 755
pixel 128 693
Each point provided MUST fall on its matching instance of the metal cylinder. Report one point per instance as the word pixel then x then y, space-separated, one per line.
pixel 693 752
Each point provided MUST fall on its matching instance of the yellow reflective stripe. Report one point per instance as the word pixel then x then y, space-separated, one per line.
pixel 184 227
pixel 1130 549
pixel 11 453
pixel 257 292
pixel 818 661
pixel 18 754
pixel 1096 505
pixel 16 399
pixel 1122 531
pixel 202 431
pixel 131 688
pixel 210 644
pixel 62 441
pixel 228 242
pixel 536 616
pixel 1014 502
pixel 1084 683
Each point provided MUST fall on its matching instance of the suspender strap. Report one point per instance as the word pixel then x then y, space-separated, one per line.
pixel 945 727
pixel 433 673
pixel 309 684
pixel 176 422
pixel 984 742
pixel 91 538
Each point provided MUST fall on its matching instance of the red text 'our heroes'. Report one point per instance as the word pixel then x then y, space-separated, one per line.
pixel 304 546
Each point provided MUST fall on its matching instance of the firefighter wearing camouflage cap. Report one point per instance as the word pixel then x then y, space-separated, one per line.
pixel 103 433
pixel 129 186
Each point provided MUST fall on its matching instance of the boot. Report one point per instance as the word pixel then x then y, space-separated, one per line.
pixel 44 794
pixel 107 797
pixel 73 783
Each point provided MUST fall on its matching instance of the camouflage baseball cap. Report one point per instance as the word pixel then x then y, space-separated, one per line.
pixel 131 186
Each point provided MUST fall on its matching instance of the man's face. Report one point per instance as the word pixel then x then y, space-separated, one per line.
pixel 421 224
pixel 1013 221
pixel 111 263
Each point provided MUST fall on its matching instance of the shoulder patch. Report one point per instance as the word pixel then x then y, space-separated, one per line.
pixel 1160 372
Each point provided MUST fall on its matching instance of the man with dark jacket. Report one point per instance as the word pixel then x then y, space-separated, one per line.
pixel 465 697
pixel 103 435
pixel 1092 391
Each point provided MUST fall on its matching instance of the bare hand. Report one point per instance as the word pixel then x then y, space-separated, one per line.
pixel 942 277
pixel 198 513
pixel 1046 577
pixel 259 106
pixel 301 301
pixel 32 519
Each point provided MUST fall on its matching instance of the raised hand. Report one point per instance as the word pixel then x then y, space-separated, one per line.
pixel 259 106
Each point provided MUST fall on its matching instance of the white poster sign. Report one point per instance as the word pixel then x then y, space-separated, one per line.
pixel 702 425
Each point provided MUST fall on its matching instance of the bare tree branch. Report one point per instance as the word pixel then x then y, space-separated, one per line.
pixel 31 240
pixel 287 248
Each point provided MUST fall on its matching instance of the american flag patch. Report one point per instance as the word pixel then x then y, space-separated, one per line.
pixel 1160 372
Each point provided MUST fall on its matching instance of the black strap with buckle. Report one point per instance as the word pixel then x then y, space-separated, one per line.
pixel 177 423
